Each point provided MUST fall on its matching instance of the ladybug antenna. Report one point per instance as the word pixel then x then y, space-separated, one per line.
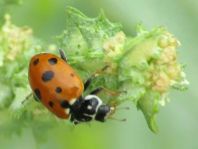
pixel 112 111
pixel 123 108
pixel 117 119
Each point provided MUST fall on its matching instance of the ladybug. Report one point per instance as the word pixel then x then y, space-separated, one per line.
pixel 56 85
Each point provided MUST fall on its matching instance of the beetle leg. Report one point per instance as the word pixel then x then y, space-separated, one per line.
pixel 87 83
pixel 89 80
pixel 96 91
pixel 27 98
pixel 62 55
pixel 110 92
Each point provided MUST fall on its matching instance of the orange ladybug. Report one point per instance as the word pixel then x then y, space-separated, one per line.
pixel 56 85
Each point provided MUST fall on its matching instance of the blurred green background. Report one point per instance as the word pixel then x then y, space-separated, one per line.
pixel 178 121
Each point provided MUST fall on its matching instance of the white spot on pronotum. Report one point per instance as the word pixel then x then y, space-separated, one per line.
pixel 67 111
pixel 71 102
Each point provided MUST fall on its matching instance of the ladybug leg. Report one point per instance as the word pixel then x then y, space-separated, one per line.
pixel 110 92
pixel 29 96
pixel 87 83
pixel 62 55
pixel 96 91
pixel 90 79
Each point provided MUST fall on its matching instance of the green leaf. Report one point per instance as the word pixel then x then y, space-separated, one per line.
pixel 83 33
pixel 149 105
pixel 84 38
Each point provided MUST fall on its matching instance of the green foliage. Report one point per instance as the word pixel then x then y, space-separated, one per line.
pixel 17 45
pixel 142 68
pixel 152 70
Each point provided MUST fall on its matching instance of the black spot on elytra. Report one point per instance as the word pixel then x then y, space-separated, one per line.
pixel 58 90
pixel 52 61
pixel 51 104
pixel 47 76
pixel 37 93
pixel 36 61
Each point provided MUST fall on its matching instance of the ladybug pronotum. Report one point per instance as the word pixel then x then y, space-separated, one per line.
pixel 56 85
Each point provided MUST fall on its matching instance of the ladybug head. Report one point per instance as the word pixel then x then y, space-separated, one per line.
pixel 88 108
pixel 99 110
